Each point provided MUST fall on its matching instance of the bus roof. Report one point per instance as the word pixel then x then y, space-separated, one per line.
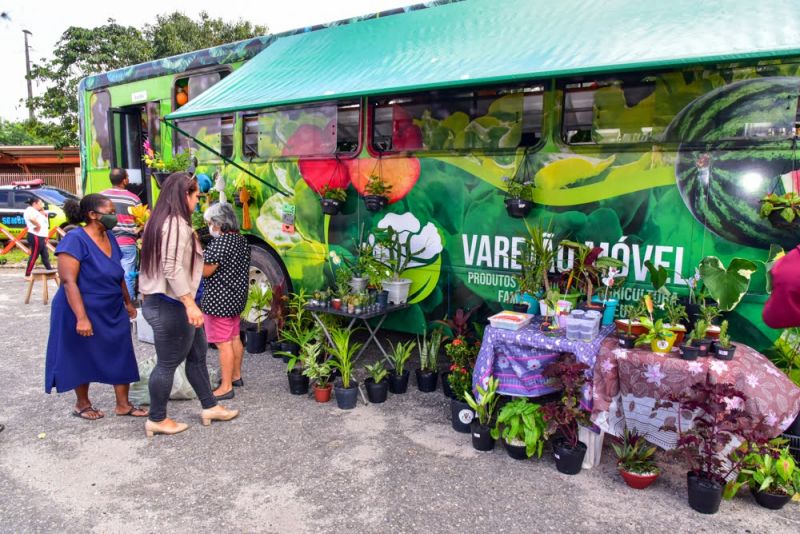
pixel 486 41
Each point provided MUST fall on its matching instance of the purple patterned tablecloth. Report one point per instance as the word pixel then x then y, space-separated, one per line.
pixel 518 357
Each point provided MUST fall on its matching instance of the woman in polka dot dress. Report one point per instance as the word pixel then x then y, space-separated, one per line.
pixel 226 272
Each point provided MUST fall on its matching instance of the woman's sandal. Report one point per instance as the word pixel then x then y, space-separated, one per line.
pixel 84 414
pixel 132 409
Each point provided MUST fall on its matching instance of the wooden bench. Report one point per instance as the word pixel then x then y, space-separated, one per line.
pixel 44 275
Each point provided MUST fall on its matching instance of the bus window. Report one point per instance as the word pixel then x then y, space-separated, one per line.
pixel 313 130
pixel 100 140
pixel 215 131
pixel 610 111
pixel 492 119
pixel 193 86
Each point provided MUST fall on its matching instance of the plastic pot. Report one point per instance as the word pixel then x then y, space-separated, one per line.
pixel 461 416
pixel 377 393
pixel 482 439
pixel 569 461
pixel 256 342
pixel 663 346
pixel 680 333
pixel 725 354
pixel 637 329
pixel 688 352
pixel 159 177
pixel 520 307
pixel 397 290
pixel 636 480
pixel 702 346
pixel 398 384
pixel 358 284
pixel 704 494
pixel 382 299
pixel 346 398
pixel 426 380
pixel 374 202
pixel 323 394
pixel 517 452
pixel 298 383
pixel 627 342
pixel 518 208
pixel 448 392
pixel 773 501
pixel 330 206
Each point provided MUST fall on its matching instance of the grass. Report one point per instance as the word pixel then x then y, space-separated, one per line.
pixel 14 256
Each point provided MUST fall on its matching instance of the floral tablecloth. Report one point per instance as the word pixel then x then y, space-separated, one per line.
pixel 627 384
pixel 518 358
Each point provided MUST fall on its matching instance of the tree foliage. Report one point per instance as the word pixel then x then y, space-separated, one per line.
pixel 81 52
pixel 21 133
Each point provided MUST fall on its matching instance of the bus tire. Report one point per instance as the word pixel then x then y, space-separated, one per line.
pixel 266 268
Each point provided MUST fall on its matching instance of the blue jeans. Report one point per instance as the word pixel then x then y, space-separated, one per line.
pixel 128 262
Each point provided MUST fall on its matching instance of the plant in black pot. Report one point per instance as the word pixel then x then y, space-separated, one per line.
pixel 770 472
pixel 461 415
pixel 428 348
pixel 296 364
pixel 783 211
pixel 715 415
pixel 257 311
pixel 523 428
pixel 161 168
pixel 398 378
pixel 377 384
pixel 635 459
pixel 332 199
pixel 627 339
pixel 343 351
pixel 725 349
pixel 564 416
pixel 484 405
pixel 519 189
pixel 377 192
pixel 696 343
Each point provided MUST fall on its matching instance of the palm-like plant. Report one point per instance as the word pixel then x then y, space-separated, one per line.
pixel 343 351
pixel 401 352
pixel 485 404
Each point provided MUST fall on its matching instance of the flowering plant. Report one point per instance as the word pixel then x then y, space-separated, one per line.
pixel 154 160
pixel 460 379
pixel 461 352
pixel 140 214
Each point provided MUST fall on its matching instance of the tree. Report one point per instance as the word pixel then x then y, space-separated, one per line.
pixel 20 133
pixel 81 52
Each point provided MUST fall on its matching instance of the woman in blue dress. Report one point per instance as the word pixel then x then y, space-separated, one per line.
pixel 90 336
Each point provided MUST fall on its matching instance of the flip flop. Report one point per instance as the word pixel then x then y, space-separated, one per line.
pixel 87 410
pixel 133 409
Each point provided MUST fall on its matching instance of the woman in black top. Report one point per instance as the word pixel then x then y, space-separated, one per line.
pixel 226 271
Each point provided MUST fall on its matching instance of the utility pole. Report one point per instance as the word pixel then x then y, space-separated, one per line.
pixel 28 76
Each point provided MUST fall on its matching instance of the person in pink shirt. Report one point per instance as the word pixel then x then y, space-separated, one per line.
pixel 125 231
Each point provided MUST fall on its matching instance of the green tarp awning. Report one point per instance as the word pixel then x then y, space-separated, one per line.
pixel 487 41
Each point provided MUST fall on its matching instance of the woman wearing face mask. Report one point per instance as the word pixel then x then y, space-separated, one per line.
pixel 90 335
pixel 170 274
pixel 226 271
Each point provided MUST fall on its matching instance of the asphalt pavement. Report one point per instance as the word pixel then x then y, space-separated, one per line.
pixel 289 464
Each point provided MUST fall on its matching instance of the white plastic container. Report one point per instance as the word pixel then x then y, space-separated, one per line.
pixel 510 320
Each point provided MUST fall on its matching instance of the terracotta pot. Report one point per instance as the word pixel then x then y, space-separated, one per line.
pixel 636 328
pixel 712 332
pixel 323 394
pixel 680 333
pixel 637 481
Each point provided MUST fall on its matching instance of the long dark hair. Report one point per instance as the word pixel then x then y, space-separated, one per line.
pixel 171 206
pixel 79 212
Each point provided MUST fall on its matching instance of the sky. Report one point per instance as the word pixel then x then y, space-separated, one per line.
pixel 47 20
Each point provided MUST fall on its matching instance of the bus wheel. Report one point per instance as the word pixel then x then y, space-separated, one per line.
pixel 267 270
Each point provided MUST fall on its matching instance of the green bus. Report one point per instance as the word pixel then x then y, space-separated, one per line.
pixel 652 134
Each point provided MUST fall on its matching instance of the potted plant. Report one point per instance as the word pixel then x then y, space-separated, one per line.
pixel 725 349
pixel 297 363
pixel 609 279
pixel 161 168
pixel 523 428
pixel 627 339
pixel 657 336
pixel 586 271
pixel 398 377
pixel 460 381
pixel 772 476
pixel 564 417
pixel 332 199
pixel 783 211
pixel 635 460
pixel 377 192
pixel 709 313
pixel 298 327
pixel 534 259
pixel 484 406
pixel 519 198
pixel 343 352
pixel 630 324
pixel 395 251
pixel 428 348
pixel 377 385
pixel 319 373
pixel 717 418
pixel 726 285
pixel 675 314
pixel 257 310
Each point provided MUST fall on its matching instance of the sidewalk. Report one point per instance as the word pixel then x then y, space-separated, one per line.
pixel 288 464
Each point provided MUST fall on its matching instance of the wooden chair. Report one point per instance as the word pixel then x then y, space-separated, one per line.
pixel 44 275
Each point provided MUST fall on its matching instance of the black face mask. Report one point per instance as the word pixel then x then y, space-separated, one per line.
pixel 109 220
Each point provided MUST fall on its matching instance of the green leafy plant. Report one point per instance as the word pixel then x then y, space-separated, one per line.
pixel 519 190
pixel 726 285
pixel 401 352
pixel 334 193
pixel 460 352
pixel 396 252
pixel 428 348
pixel 658 277
pixel 257 309
pixel 634 454
pixel 698 333
pixel 155 161
pixel 377 371
pixel 724 340
pixel 521 421
pixel 485 404
pixel 785 354
pixel 376 186
pixel 536 258
pixel 772 471
pixel 787 206
pixel 674 312
pixel 587 267
pixel 656 331
pixel 460 380
pixel 318 372
pixel 708 312
pixel 564 417
pixel 343 351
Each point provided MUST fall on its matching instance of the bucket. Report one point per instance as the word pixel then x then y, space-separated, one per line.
pixel 611 308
